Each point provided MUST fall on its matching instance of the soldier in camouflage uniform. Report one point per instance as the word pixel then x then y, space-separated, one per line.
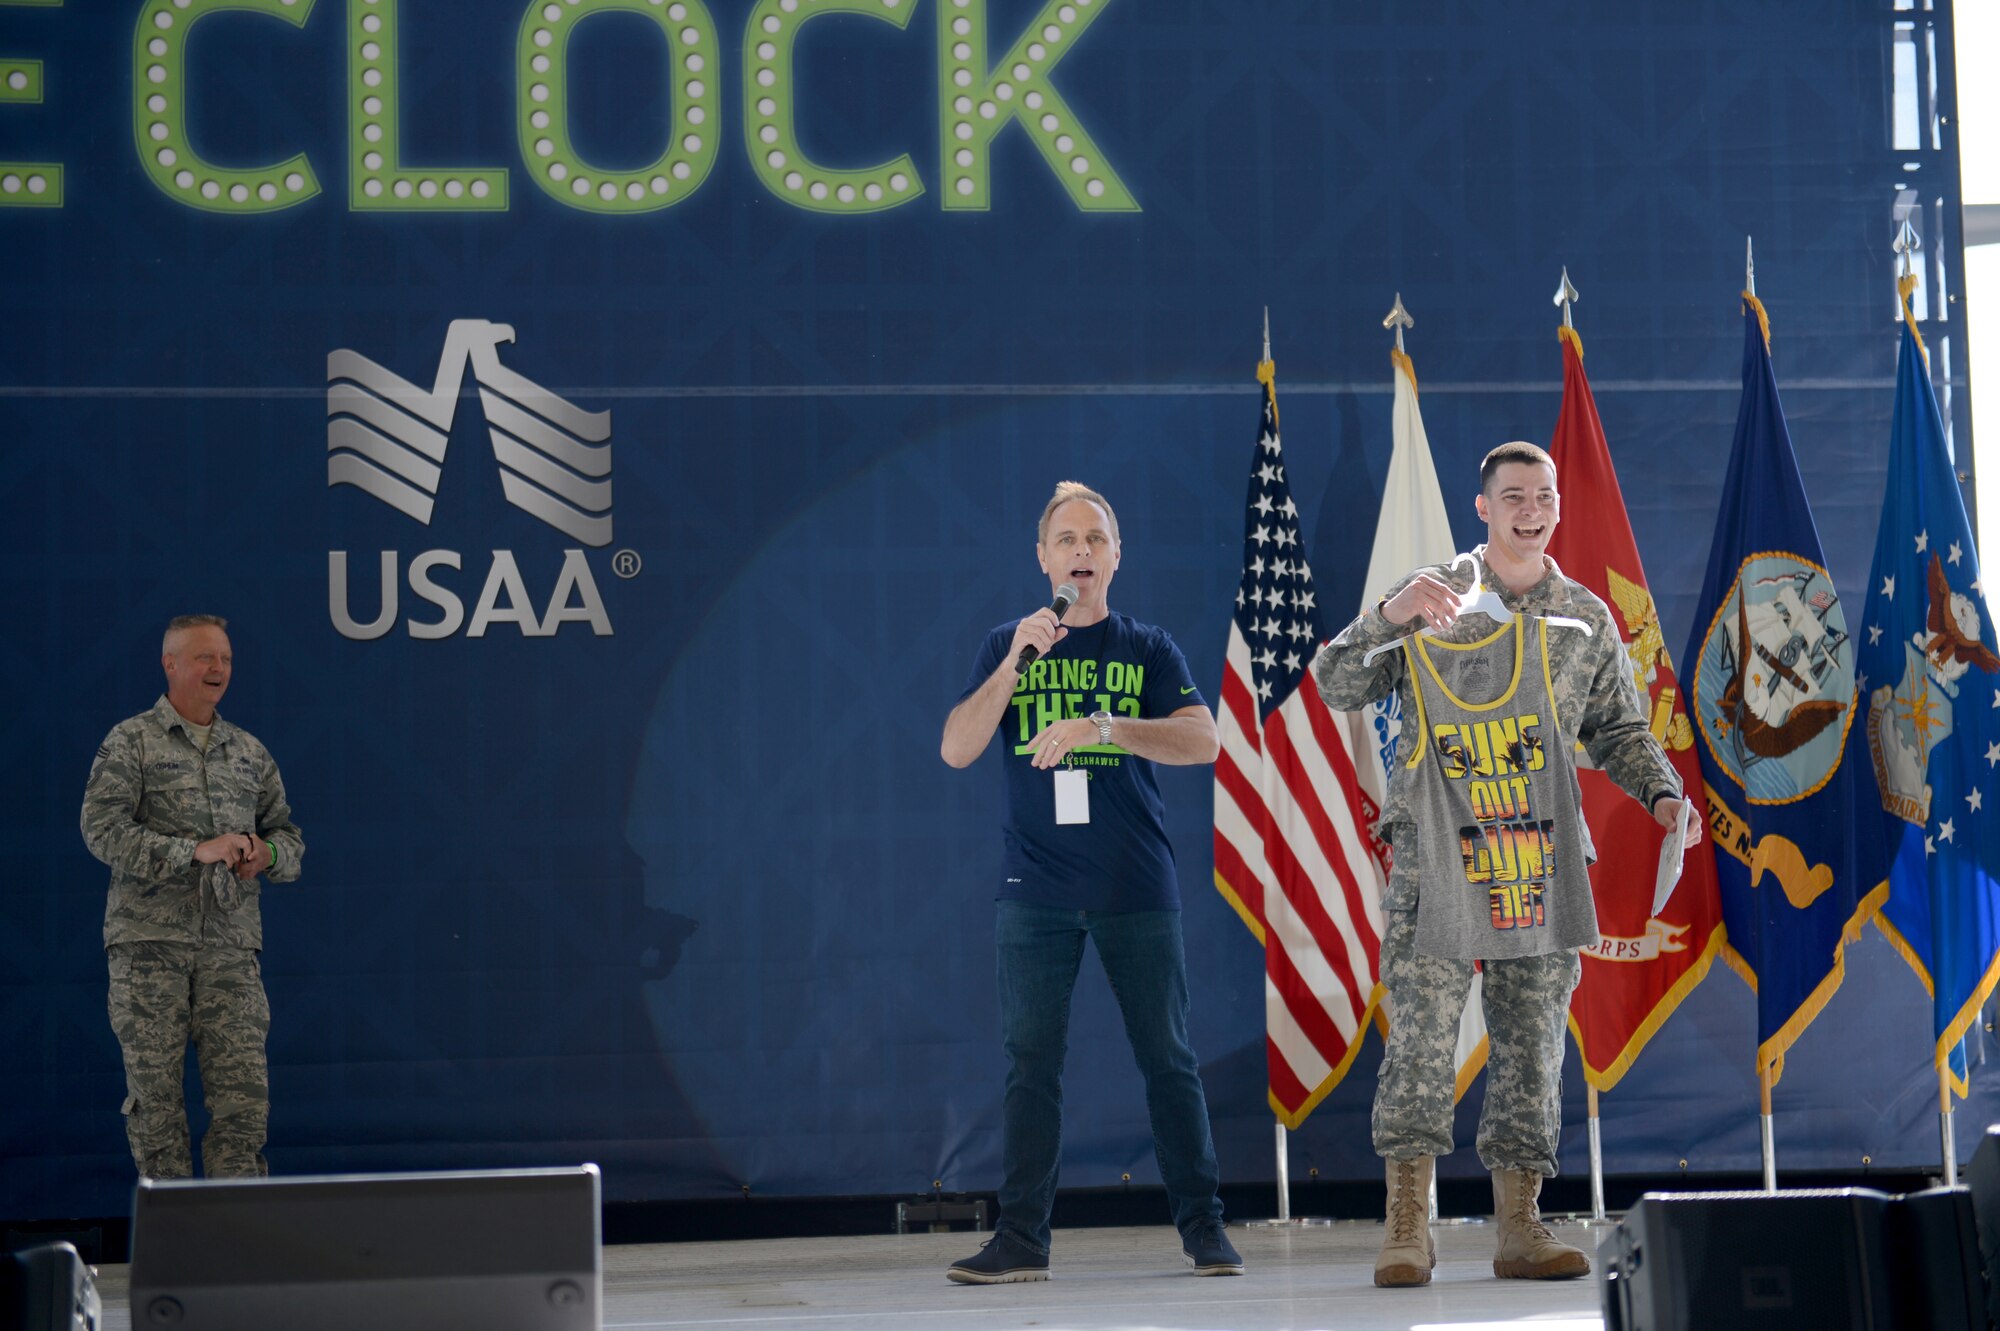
pixel 1525 996
pixel 189 812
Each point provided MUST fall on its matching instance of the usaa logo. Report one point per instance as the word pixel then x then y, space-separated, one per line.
pixel 387 437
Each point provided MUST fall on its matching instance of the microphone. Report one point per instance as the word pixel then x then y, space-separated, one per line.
pixel 1065 598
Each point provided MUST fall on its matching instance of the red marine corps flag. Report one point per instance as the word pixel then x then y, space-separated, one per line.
pixel 1643 964
pixel 1293 853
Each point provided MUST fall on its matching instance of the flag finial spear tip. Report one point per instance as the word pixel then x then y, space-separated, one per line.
pixel 1566 296
pixel 1749 268
pixel 1398 319
pixel 1267 332
pixel 1906 246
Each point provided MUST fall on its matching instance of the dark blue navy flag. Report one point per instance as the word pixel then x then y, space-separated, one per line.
pixel 1930 683
pixel 1799 847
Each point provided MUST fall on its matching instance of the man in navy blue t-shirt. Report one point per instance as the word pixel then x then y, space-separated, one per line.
pixel 1086 857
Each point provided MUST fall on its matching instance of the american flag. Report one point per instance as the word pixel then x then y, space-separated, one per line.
pixel 1292 853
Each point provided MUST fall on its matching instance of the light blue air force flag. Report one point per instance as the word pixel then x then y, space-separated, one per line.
pixel 1930 681
pixel 1799 854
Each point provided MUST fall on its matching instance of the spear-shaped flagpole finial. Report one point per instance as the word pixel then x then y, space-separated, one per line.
pixel 1565 297
pixel 1267 332
pixel 1906 246
pixel 1398 319
pixel 1749 268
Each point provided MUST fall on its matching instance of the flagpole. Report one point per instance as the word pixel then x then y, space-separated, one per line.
pixel 1770 1141
pixel 1566 296
pixel 1596 1163
pixel 1945 1129
pixel 1284 1152
pixel 1284 1161
pixel 1396 320
pixel 1906 245
pixel 1284 1216
pixel 1905 248
pixel 1284 1171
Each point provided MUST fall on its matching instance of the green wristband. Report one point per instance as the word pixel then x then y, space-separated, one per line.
pixel 272 846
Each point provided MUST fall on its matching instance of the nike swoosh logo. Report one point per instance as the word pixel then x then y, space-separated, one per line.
pixel 1189 689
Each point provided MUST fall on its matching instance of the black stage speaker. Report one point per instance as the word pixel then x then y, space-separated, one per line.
pixel 48 1289
pixel 496 1250
pixel 1846 1259
pixel 1983 1175
pixel 1934 1268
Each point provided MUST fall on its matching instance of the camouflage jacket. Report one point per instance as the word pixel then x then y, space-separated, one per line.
pixel 152 798
pixel 1595 697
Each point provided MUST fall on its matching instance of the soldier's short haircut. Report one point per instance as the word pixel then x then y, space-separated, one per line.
pixel 1520 450
pixel 179 622
pixel 1067 491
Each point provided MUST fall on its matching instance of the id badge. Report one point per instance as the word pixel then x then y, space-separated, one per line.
pixel 1072 795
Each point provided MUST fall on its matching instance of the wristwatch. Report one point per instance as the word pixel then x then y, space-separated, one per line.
pixel 1102 720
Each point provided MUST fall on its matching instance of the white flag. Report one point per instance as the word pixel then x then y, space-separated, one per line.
pixel 1412 531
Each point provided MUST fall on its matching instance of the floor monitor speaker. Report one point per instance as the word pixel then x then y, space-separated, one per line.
pixel 48 1288
pixel 1983 1177
pixel 1847 1259
pixel 499 1250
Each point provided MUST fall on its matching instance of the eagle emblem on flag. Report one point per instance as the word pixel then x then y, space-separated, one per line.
pixel 1910 719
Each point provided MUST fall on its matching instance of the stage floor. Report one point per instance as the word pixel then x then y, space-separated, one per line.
pixel 1103 1279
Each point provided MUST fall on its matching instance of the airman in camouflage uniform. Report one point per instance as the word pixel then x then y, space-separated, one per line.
pixel 1525 998
pixel 189 811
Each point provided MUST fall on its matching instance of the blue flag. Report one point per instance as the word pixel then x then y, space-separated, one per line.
pixel 1930 682
pixel 1799 845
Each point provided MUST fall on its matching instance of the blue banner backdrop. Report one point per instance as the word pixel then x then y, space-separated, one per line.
pixel 628 839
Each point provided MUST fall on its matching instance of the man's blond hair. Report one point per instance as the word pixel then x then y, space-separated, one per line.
pixel 1065 492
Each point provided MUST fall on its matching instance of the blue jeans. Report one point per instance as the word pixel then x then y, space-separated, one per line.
pixel 1039 949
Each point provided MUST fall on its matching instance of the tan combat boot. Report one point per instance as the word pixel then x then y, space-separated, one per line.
pixel 1407 1251
pixel 1527 1250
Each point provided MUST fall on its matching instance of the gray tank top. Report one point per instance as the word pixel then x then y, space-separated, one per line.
pixel 1498 811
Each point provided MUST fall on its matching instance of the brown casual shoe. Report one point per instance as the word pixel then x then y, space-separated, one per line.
pixel 1407 1251
pixel 1527 1250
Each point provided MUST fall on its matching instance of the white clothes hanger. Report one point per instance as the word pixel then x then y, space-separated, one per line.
pixel 1476 600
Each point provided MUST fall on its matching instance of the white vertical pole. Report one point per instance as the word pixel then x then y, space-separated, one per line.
pixel 1284 1177
pixel 1945 1127
pixel 1770 1141
pixel 1596 1162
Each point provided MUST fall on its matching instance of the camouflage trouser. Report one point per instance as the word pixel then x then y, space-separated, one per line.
pixel 163 994
pixel 1526 1005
